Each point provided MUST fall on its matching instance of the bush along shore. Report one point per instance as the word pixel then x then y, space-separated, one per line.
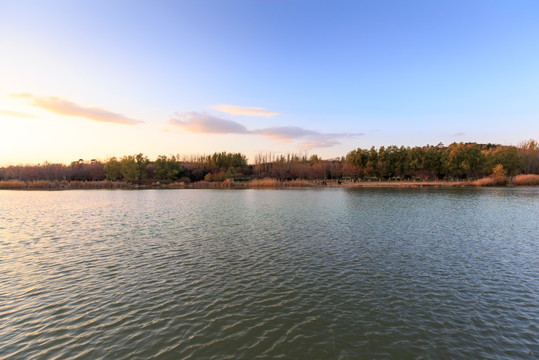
pixel 458 164
pixel 519 180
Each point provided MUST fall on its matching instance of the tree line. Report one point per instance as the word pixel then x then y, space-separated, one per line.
pixel 455 161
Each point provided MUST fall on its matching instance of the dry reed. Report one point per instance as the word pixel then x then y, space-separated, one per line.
pixel 63 184
pixel 12 184
pixel 490 181
pixel 75 184
pixel 264 183
pixel 253 184
pixel 520 180
pixel 176 185
pixel 525 179
pixel 46 185
pixel 487 181
pixel 273 183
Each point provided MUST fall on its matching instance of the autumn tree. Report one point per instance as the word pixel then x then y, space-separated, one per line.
pixel 499 174
pixel 507 156
pixel 529 150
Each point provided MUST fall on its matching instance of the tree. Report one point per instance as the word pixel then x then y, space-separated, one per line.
pixel 507 156
pixel 414 160
pixel 498 175
pixel 529 150
pixel 224 160
pixel 142 162
pixel 113 169
pixel 133 167
pixel 355 159
pixel 128 168
pixel 432 161
pixel 167 169
pixel 465 160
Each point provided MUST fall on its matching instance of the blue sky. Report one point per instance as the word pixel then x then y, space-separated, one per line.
pixel 94 79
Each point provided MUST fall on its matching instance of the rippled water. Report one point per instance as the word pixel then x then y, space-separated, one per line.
pixel 295 274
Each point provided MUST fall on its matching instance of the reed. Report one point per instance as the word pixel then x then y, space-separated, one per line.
pixel 63 184
pixel 176 185
pixel 273 183
pixel 487 181
pixel 299 183
pixel 12 184
pixel 106 184
pixel 45 184
pixel 490 181
pixel 253 184
pixel 263 183
pixel 520 180
pixel 525 179
pixel 227 184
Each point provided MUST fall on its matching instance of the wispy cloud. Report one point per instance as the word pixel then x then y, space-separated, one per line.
pixel 202 123
pixel 17 114
pixel 284 133
pixel 244 110
pixel 319 141
pixel 64 107
pixel 460 133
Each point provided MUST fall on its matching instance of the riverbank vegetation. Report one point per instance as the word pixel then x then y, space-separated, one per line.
pixel 458 163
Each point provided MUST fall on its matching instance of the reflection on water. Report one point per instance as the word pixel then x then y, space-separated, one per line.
pixel 303 273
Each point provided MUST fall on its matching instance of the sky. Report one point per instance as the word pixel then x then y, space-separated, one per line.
pixel 98 78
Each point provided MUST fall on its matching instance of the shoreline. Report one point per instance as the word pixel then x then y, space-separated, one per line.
pixel 253 184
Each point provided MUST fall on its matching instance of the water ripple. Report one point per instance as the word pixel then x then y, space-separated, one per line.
pixel 317 274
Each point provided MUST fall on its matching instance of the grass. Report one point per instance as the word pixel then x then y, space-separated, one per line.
pixel 75 184
pixel 254 184
pixel 269 183
pixel 62 185
pixel 406 184
pixel 526 179
pixel 12 184
pixel 520 180
pixel 488 181
pixel 46 184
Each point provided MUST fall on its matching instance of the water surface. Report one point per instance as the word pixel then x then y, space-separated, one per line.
pixel 268 274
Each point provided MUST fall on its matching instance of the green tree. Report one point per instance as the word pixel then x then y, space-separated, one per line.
pixel 465 160
pixel 113 169
pixel 167 168
pixel 128 167
pixel 508 157
pixel 142 162
pixel 224 160
pixel 432 161
pixel 357 159
pixel 133 167
pixel 414 160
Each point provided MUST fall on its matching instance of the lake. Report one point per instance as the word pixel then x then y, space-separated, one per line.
pixel 270 274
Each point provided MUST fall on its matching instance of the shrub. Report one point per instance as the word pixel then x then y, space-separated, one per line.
pixel 12 184
pixel 526 179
